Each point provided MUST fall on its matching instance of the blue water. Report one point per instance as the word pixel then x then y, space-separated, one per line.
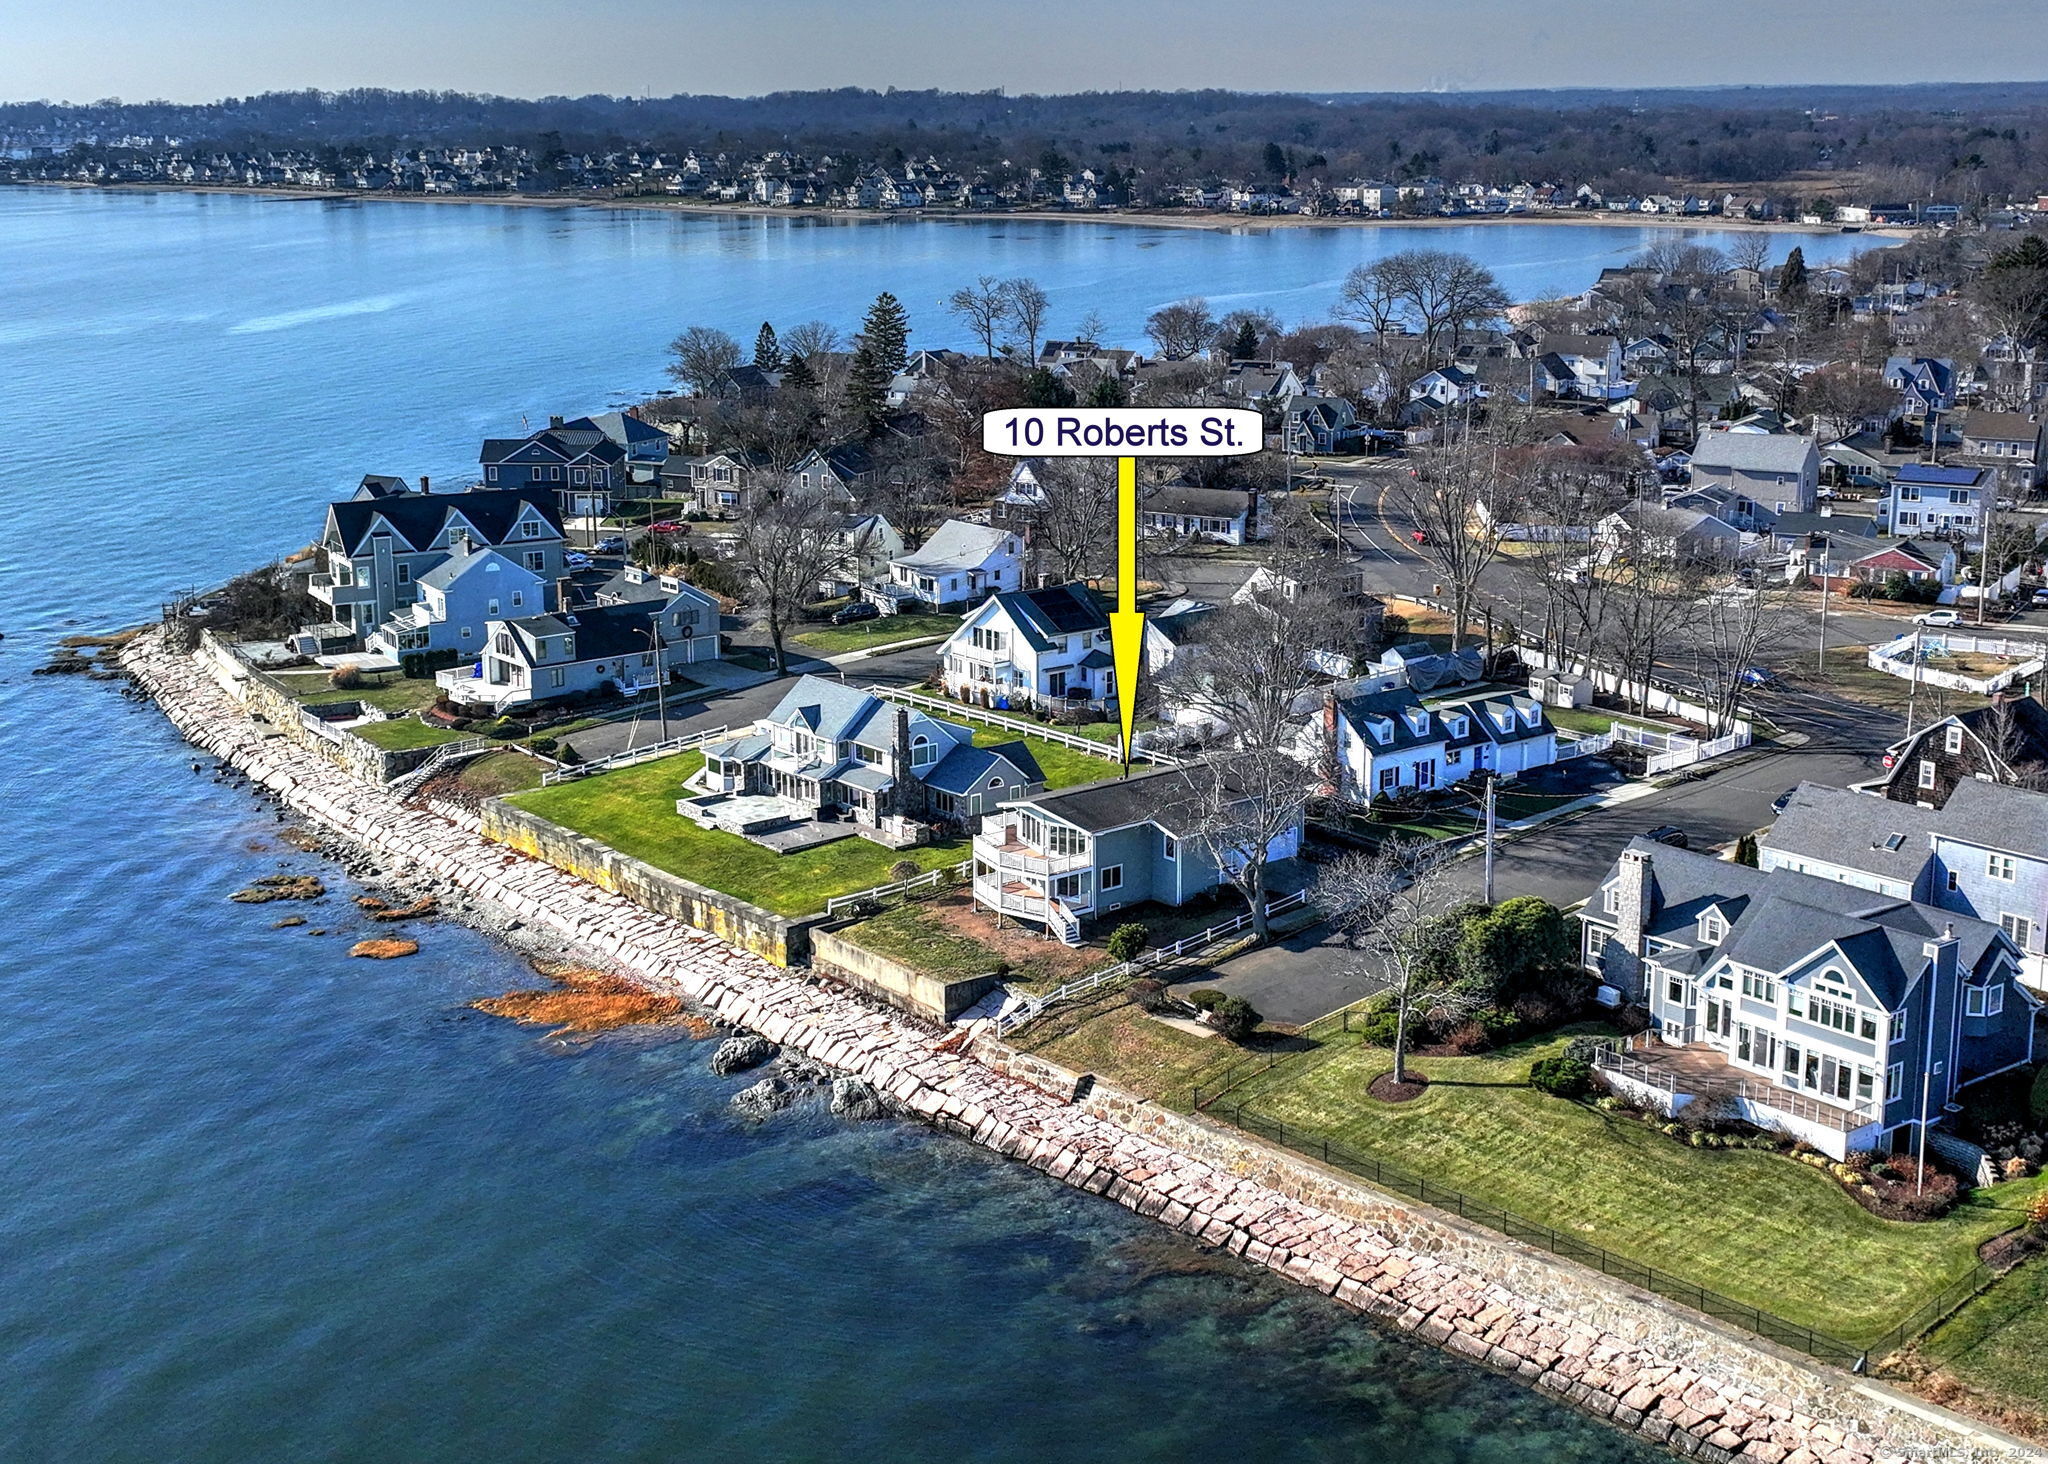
pixel 259 1201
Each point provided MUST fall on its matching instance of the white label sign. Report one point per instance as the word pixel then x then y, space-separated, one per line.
pixel 1122 432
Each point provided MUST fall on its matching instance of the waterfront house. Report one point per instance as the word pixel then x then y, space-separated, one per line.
pixel 1925 384
pixel 687 615
pixel 716 483
pixel 832 752
pixel 840 473
pixel 618 650
pixel 1843 1016
pixel 583 463
pixel 1984 854
pixel 1584 367
pixel 375 546
pixel 959 564
pixel 1320 424
pixel 1059 859
pixel 1773 472
pixel 1043 648
pixel 868 541
pixel 2006 742
pixel 458 598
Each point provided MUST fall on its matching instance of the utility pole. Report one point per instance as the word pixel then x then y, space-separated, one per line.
pixel 1826 547
pixel 1913 686
pixel 1487 880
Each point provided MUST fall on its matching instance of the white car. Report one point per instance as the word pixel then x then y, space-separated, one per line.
pixel 1938 618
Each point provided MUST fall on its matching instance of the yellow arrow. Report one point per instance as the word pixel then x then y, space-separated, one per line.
pixel 1126 624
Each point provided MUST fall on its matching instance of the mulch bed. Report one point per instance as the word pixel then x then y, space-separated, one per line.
pixel 1387 1090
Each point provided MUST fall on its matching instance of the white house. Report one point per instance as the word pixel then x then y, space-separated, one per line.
pixel 1045 648
pixel 1679 535
pixel 959 564
pixel 1937 499
pixel 1778 471
pixel 1224 515
pixel 1388 742
pixel 1582 366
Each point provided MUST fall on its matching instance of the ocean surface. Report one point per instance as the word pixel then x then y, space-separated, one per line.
pixel 262 1202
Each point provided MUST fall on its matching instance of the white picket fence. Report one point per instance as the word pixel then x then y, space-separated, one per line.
pixel 1898 657
pixel 1676 749
pixel 1031 1007
pixel 1574 747
pixel 568 773
pixel 967 711
pixel 903 888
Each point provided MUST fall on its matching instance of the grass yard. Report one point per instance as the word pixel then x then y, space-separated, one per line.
pixel 397 695
pixel 1850 674
pixel 838 640
pixel 1753 1226
pixel 1063 766
pixel 497 773
pixel 1107 1035
pixel 1593 721
pixel 1995 1344
pixel 402 733
pixel 633 810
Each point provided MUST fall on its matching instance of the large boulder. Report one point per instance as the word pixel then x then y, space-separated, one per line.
pixel 763 1099
pixel 737 1054
pixel 857 1098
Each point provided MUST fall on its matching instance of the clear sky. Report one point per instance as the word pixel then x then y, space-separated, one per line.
pixel 196 50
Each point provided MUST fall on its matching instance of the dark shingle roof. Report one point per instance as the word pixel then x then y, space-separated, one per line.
pixel 1056 610
pixel 967 765
pixel 418 518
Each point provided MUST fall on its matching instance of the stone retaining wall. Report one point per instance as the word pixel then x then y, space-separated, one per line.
pixel 1638 1362
pixel 352 754
pixel 933 997
pixel 770 936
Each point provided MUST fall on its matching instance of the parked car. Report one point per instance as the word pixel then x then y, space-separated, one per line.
pixel 2040 597
pixel 575 560
pixel 1778 803
pixel 1669 834
pixel 858 610
pixel 1420 536
pixel 666 526
pixel 1938 617
pixel 612 544
pixel 1762 676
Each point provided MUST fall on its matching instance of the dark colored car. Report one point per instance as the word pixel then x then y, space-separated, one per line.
pixel 858 610
pixel 1669 834
pixel 1778 803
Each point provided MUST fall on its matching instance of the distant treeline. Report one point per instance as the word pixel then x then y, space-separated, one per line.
pixel 1954 143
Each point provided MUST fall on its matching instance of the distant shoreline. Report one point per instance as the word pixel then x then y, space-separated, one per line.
pixel 1214 223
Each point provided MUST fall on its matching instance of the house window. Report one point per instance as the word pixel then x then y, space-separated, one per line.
pixel 1674 992
pixel 557 676
pixel 1953 740
pixel 490 475
pixel 1712 928
pixel 503 645
pixel 986 639
pixel 1169 847
pixel 494 608
pixel 1390 778
pixel 1611 900
pixel 1973 1001
pixel 465 632
pixel 529 530
pixel 1596 942
pixel 1113 877
pixel 1926 773
pixel 2019 927
pixel 1952 879
pixel 1894 1079
pixel 405 574
pixel 535 560
pixel 1759 988
pixel 923 753
pixel 2001 866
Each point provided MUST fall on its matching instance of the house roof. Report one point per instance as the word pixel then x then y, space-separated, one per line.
pixel 956 544
pixel 1558 343
pixel 1044 615
pixel 455 566
pixel 1856 831
pixel 966 766
pixel 1938 475
pixel 601 633
pixel 1201 502
pixel 1997 816
pixel 2001 426
pixel 1165 798
pixel 418 518
pixel 1753 452
pixel 1179 622
pixel 1654 518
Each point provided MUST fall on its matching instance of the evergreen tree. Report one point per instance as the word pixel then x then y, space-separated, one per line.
pixel 886 332
pixel 1109 391
pixel 1792 281
pixel 798 375
pixel 767 350
pixel 1043 389
pixel 867 386
pixel 1745 850
pixel 1244 346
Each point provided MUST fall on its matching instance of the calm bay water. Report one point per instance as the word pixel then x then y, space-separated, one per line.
pixel 262 1202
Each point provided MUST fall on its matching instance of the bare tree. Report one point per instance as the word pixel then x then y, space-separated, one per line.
pixel 1371 299
pixel 2014 304
pixel 812 338
pixel 1073 529
pixel 786 546
pixel 983 307
pixel 1750 251
pixel 1729 632
pixel 702 358
pixel 911 486
pixel 1443 293
pixel 1091 327
pixel 1391 907
pixel 1027 307
pixel 1650 602
pixel 1842 394
pixel 1182 329
pixel 1450 497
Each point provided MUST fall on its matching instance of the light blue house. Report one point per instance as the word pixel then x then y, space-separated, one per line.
pixel 458 598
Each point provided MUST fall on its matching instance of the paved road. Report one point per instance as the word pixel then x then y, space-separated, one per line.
pixel 1307 974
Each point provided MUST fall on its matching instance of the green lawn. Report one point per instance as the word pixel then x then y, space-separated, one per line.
pixel 909 935
pixel 1755 1226
pixel 1996 1342
pixel 838 640
pixel 401 733
pixel 1593 721
pixel 633 810
pixel 1109 1036
pixel 1063 766
pixel 393 696
pixel 497 773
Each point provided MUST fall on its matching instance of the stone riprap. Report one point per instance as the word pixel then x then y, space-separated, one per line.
pixel 1632 1359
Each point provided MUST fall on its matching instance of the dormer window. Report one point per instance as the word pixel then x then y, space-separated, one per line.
pixel 1952 740
pixel 1383 729
pixel 1713 929
pixel 923 753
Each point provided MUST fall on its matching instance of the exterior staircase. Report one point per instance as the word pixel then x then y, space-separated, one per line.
pixel 405 785
pixel 1062 922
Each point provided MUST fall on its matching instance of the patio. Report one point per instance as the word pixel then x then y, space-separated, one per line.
pixel 1667 1076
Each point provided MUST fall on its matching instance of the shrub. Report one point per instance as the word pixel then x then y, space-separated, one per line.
pixel 2037 1099
pixel 2017 1168
pixel 1235 1018
pixel 1379 1028
pixel 1207 999
pixel 345 678
pixel 1127 940
pixel 904 869
pixel 544 744
pixel 2037 1211
pixel 568 756
pixel 1468 1037
pixel 1149 995
pixel 1561 1076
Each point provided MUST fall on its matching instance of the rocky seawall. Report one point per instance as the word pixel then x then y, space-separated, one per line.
pixel 1633 1359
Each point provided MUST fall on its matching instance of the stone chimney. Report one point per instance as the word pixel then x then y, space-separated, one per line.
pixel 1632 918
pixel 425 486
pixel 554 422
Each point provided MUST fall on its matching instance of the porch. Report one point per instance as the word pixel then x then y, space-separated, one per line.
pixel 1667 1076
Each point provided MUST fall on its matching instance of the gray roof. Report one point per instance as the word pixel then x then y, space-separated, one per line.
pixel 451 569
pixel 1857 831
pixel 1180 498
pixel 960 770
pixel 956 544
pixel 832 711
pixel 1997 816
pixel 1753 452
